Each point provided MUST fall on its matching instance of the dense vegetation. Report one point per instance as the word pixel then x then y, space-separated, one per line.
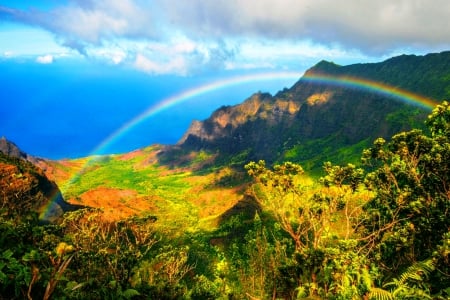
pixel 378 230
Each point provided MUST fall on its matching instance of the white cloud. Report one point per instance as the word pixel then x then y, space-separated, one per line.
pixel 176 65
pixel 180 56
pixel 117 59
pixel 164 36
pixel 370 26
pixel 109 54
pixel 94 21
pixel 45 59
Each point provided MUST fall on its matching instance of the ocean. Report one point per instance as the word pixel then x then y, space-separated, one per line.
pixel 68 109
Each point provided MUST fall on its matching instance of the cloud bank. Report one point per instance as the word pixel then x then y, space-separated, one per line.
pixel 164 36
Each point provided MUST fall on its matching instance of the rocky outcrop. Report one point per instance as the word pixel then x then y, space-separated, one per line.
pixel 231 121
pixel 10 149
pixel 24 188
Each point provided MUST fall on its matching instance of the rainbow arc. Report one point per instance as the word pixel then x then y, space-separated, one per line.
pixel 343 81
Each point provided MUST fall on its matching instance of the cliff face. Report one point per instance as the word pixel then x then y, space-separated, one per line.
pixel 226 120
pixel 323 115
pixel 254 124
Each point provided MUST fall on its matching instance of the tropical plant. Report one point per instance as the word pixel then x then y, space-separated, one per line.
pixel 411 284
pixel 410 177
pixel 105 253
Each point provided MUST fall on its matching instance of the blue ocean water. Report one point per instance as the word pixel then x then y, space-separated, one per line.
pixel 66 109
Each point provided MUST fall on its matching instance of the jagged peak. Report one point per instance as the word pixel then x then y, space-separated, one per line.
pixel 11 149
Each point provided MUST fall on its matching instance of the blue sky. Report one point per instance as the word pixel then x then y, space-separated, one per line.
pixel 99 58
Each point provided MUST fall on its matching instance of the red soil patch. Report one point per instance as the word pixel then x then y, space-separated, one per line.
pixel 117 204
pixel 215 202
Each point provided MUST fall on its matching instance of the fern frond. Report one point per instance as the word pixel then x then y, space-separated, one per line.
pixel 416 271
pixel 380 294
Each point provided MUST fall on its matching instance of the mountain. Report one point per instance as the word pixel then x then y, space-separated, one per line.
pixel 331 113
pixel 309 123
pixel 25 188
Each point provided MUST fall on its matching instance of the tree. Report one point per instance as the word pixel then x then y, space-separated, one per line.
pixel 326 264
pixel 410 213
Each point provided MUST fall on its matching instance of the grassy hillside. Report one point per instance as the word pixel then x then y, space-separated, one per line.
pixel 136 184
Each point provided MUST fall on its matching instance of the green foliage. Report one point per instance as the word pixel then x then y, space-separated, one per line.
pixel 338 175
pixel 409 216
pixel 380 294
pixel 312 153
pixel 439 121
pixel 325 265
pixel 161 276
pixel 19 256
pixel 261 262
pixel 104 254
pixel 334 238
pixel 205 289
pixel 411 284
pixel 405 117
pixel 410 212
pixel 14 275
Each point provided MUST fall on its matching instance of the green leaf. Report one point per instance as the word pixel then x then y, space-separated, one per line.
pixel 7 254
pixel 33 255
pixel 130 293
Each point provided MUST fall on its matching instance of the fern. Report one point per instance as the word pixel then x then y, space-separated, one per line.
pixel 410 284
pixel 380 294
pixel 130 293
pixel 414 273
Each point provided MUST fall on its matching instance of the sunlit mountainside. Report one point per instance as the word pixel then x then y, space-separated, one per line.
pixel 312 122
pixel 331 113
pixel 334 188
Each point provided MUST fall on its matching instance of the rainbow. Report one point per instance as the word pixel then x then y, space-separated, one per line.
pixel 343 81
pixel 373 86
pixel 189 94
pixel 163 105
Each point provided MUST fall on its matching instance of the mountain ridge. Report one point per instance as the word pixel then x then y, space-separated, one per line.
pixel 310 111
